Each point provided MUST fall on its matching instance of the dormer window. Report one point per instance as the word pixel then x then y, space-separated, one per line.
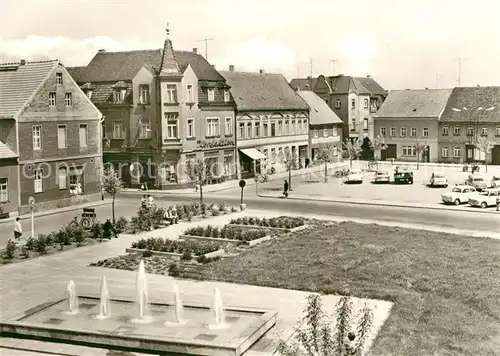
pixel 118 95
pixel 227 96
pixel 144 94
pixel 211 95
pixel 89 93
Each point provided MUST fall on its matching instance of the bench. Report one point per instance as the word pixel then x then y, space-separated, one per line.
pixel 171 218
pixel 89 212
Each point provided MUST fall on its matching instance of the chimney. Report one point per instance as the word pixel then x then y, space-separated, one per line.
pixel 368 76
pixel 22 62
pixel 426 88
pixel 101 50
pixel 231 68
pixel 213 66
pixel 195 50
pixel 340 75
pixel 308 77
pixel 261 71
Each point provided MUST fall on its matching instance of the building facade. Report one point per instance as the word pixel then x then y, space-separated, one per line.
pixel 325 127
pixel 408 120
pixel 271 119
pixel 470 114
pixel 353 99
pixel 163 108
pixel 53 130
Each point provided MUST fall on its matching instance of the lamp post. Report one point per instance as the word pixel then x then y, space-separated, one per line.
pixel 32 208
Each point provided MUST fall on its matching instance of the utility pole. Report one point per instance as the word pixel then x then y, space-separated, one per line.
pixel 459 69
pixel 333 61
pixel 206 45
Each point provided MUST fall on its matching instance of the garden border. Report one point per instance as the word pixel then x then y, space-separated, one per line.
pixel 233 242
pixel 176 256
pixel 283 229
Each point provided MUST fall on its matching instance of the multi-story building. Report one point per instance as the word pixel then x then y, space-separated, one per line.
pixel 409 119
pixel 353 99
pixel 50 138
pixel 471 113
pixel 162 108
pixel 271 118
pixel 325 127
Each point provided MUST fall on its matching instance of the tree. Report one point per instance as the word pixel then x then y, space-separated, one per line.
pixel 197 171
pixel 113 185
pixel 419 149
pixel 366 149
pixel 326 153
pixel 485 145
pixel 379 145
pixel 289 159
pixel 353 150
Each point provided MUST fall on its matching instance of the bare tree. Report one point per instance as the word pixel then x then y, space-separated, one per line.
pixel 326 153
pixel 419 149
pixel 289 159
pixel 379 145
pixel 353 150
pixel 197 171
pixel 112 185
pixel 485 145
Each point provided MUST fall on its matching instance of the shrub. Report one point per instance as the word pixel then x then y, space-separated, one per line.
pixel 234 209
pixel 215 212
pixel 40 245
pixel 189 216
pixel 186 255
pixel 10 250
pixel 201 259
pixel 96 231
pixel 176 246
pixel 30 244
pixel 203 209
pixel 227 232
pixel 121 224
pixel 173 270
pixel 79 236
pixel 108 230
pixel 147 253
pixel 222 207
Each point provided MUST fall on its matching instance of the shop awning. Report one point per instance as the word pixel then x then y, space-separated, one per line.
pixel 253 153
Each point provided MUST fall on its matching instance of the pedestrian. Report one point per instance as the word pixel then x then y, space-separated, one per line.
pixel 498 204
pixel 285 189
pixel 144 202
pixel 18 230
pixel 151 201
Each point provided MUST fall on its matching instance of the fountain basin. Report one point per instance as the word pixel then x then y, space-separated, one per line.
pixel 193 336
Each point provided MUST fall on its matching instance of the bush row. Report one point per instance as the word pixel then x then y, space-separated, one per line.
pixel 226 232
pixel 284 222
pixel 196 248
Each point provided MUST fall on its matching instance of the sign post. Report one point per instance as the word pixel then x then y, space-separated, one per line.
pixel 31 201
pixel 242 185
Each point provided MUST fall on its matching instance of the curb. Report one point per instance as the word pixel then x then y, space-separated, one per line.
pixel 374 203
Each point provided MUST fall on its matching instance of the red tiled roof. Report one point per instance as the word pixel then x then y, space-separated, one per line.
pixel 473 98
pixel 19 82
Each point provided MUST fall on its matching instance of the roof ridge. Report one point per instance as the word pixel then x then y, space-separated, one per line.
pixel 132 50
pixel 245 72
pixel 29 62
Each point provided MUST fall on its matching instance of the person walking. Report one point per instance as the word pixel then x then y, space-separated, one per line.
pixel 18 229
pixel 285 189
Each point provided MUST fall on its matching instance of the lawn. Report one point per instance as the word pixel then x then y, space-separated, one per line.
pixel 446 288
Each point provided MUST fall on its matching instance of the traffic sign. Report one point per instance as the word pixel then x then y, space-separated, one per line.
pixel 31 201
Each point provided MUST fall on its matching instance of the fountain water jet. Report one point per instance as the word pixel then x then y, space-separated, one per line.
pixel 178 309
pixel 104 305
pixel 219 313
pixel 142 296
pixel 72 298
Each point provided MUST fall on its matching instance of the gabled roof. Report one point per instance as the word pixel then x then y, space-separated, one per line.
pixel 303 83
pixel 473 98
pixel 414 103
pixel 262 91
pixel 320 112
pixel 18 83
pixel 116 66
pixel 373 87
pixel 342 84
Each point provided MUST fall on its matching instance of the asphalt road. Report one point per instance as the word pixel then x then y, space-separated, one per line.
pixel 129 203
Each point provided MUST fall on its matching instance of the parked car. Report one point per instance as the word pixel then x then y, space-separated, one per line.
pixel 404 177
pixel 354 176
pixel 459 194
pixel 495 182
pixel 476 181
pixel 488 197
pixel 438 179
pixel 382 177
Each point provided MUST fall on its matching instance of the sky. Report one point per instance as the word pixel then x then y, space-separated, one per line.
pixel 403 44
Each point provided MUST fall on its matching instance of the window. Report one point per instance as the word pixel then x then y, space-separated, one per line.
pixel 273 129
pixel 365 123
pixel 257 129
pixel 249 130
pixel 403 132
pixel 393 131
pixel 37 137
pixel 145 130
pixel 470 131
pixel 83 135
pixel 445 131
pixel 171 93
pixel 353 103
pixel 242 130
pixel 337 104
pixel 335 131
pixel 227 96
pixel 38 180
pixel 59 79
pixel 413 132
pixel 63 177
pixel 189 93
pixel 292 127
pixel 172 123
pixel 52 99
pixel 383 131
pixel 118 95
pixel 315 133
pixel 456 152
pixel 353 121
pixel 190 128
pixel 61 136
pixel 228 163
pixel 366 103
pixel 456 130
pixel 497 131
pixel 117 130
pixel 484 131
pixel 285 127
pixel 68 99
pixel 280 128
pixel 212 127
pixel 211 95
pixel 76 181
pixel 144 94
pixel 325 132
pixel 4 190
pixel 425 132
pixel 273 155
pixel 265 131
pixel 444 152
pixel 409 151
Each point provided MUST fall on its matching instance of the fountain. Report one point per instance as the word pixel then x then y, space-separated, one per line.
pixel 219 313
pixel 142 301
pixel 72 298
pixel 104 303
pixel 178 309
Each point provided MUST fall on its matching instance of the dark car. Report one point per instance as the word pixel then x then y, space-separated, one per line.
pixel 403 177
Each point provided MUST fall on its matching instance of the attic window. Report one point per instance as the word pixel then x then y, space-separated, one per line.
pixel 59 78
pixel 119 95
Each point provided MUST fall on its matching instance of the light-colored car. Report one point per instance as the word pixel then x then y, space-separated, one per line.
pixel 438 179
pixel 495 182
pixel 354 176
pixel 459 194
pixel 488 197
pixel 476 181
pixel 382 177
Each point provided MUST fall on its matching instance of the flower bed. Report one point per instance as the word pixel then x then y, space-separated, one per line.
pixel 178 247
pixel 226 233
pixel 282 222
